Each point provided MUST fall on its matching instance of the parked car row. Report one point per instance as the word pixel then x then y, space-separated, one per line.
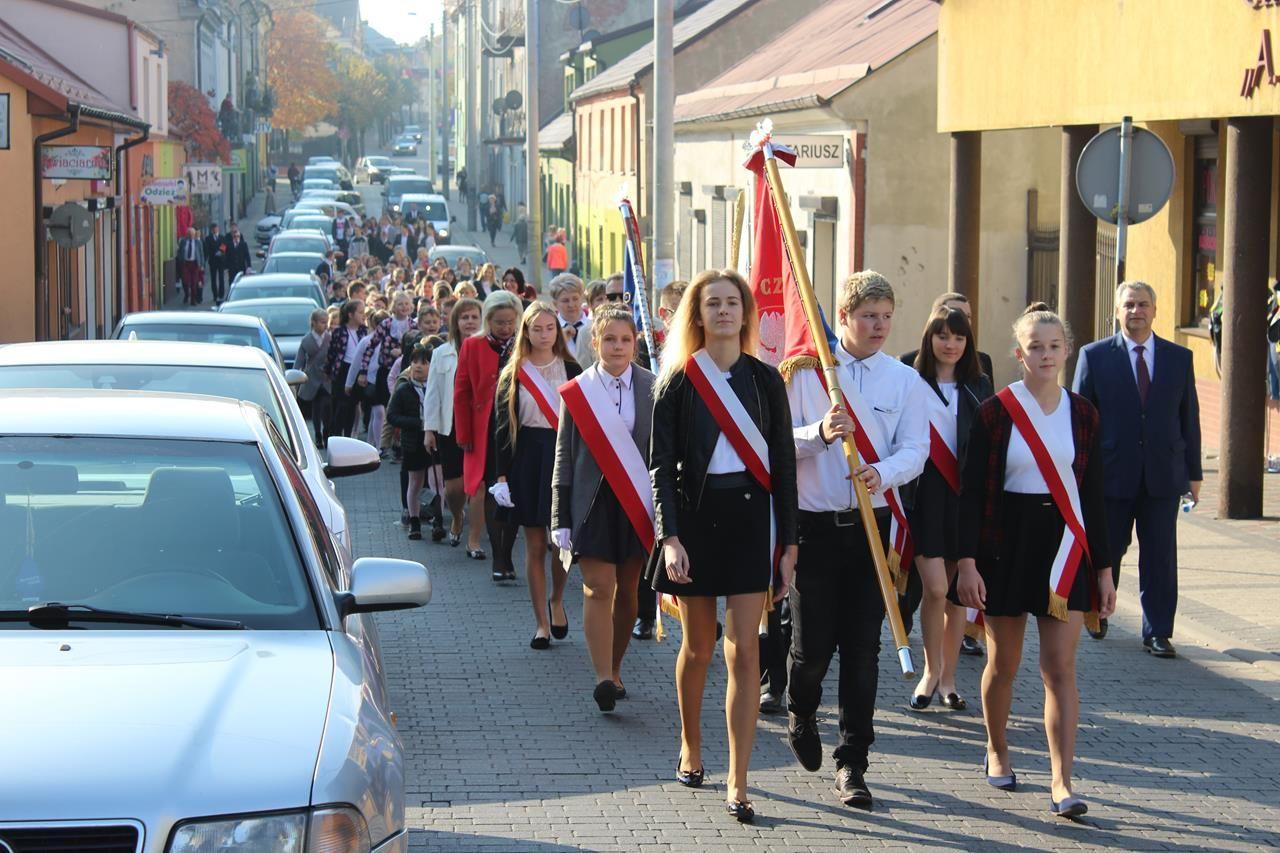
pixel 180 610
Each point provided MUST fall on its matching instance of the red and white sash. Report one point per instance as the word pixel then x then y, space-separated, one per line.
pixel 872 447
pixel 738 427
pixel 532 380
pixel 613 449
pixel 942 441
pixel 1033 425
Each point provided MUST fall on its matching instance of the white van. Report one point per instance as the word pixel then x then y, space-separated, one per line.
pixel 431 208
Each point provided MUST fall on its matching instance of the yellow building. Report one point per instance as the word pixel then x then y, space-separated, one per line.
pixel 1202 75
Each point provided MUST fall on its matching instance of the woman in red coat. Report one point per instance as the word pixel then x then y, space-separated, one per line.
pixel 475 384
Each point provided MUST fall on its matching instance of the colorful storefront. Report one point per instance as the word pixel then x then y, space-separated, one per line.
pixel 1202 75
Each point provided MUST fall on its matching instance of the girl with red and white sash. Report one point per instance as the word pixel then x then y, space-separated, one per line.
pixel 527 414
pixel 1033 540
pixel 948 362
pixel 601 497
pixel 724 484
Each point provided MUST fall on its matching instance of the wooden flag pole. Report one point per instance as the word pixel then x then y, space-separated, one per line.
pixel 801 274
pixel 735 243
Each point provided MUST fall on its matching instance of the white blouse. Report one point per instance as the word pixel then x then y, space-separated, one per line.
pixel 528 409
pixel 1021 475
pixel 724 459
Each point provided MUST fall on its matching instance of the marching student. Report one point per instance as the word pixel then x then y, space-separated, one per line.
pixel 1033 540
pixel 724 489
pixel 481 358
pixel 601 499
pixel 437 419
pixel 836 602
pixel 405 413
pixel 343 340
pixel 528 413
pixel 948 362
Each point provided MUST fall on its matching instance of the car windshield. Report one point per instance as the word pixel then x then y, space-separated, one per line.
pixel 202 333
pixel 238 383
pixel 379 161
pixel 248 290
pixel 403 187
pixel 162 526
pixel 322 173
pixel 290 265
pixel 294 320
pixel 311 223
pixel 431 210
pixel 300 244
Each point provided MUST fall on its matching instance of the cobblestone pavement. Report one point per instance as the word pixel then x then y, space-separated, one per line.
pixel 506 751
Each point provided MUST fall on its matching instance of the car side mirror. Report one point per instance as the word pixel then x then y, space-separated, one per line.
pixel 452 219
pixel 295 377
pixel 381 583
pixel 262 253
pixel 349 456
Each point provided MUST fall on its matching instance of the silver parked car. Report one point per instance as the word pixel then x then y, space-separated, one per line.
pixel 190 646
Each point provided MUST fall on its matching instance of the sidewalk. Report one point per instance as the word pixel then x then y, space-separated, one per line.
pixel 1228 588
pixel 248 225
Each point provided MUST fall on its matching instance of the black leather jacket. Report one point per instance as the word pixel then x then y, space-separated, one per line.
pixel 685 434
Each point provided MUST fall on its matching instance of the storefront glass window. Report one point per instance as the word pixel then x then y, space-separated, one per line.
pixel 1205 234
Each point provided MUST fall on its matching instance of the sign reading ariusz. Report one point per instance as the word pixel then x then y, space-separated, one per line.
pixel 815 151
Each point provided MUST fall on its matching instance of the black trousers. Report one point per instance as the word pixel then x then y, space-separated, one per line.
pixel 836 606
pixel 1157 521
pixel 218 282
pixel 344 405
pixel 773 649
pixel 502 531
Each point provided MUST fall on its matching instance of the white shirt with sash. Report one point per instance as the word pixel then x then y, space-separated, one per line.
pixel 892 398
pixel 539 402
pixel 943 414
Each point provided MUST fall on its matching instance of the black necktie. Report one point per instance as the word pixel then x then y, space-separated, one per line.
pixel 1144 376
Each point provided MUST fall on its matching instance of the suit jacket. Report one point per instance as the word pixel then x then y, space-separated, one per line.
pixel 310 360
pixel 474 386
pixel 211 244
pixel 182 250
pixel 1157 448
pixel 577 477
pixel 236 256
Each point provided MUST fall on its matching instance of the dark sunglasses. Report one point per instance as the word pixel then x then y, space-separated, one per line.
pixel 616 297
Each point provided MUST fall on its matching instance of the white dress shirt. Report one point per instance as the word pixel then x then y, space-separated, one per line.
pixel 527 407
pixel 581 325
pixel 1021 473
pixel 621 392
pixel 724 459
pixel 894 393
pixel 950 411
pixel 1148 355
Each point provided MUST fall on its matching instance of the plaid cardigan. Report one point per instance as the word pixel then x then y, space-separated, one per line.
pixel 982 487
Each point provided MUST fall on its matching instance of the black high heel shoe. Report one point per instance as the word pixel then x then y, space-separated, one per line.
pixel 689 778
pixel 740 811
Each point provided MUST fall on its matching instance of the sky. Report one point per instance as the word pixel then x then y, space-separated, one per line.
pixel 406 21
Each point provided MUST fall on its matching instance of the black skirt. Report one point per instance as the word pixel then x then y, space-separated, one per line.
pixel 450 455
pixel 727 540
pixel 607 534
pixel 935 516
pixel 415 455
pixel 1018 582
pixel 530 476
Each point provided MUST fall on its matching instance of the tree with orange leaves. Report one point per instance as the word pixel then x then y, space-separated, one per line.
pixel 298 54
pixel 193 121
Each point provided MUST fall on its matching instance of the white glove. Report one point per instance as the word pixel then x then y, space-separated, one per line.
pixel 560 537
pixel 502 494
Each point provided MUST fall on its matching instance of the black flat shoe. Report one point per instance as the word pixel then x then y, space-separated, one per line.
pixel 605 696
pixel 499 576
pixel 740 811
pixel 476 553
pixel 643 630
pixel 540 643
pixel 954 701
pixel 509 575
pixel 455 539
pixel 1101 632
pixel 558 631
pixel 689 778
pixel 920 701
pixel 619 692
pixel 437 534
pixel 970 646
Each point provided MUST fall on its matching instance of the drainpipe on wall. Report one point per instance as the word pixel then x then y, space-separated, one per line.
pixel 41 327
pixel 123 213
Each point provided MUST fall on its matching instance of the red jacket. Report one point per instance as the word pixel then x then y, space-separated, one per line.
pixel 474 386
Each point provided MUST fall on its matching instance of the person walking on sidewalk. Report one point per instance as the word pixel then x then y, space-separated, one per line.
pixel 191 261
pixel 405 414
pixel 527 407
pixel 606 418
pixel 520 232
pixel 1144 388
pixel 724 488
pixel 235 259
pixel 437 418
pixel 215 252
pixel 314 398
pixel 1033 541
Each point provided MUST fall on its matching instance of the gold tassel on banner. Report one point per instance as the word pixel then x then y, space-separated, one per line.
pixel 974 631
pixel 1057 607
pixel 1092 622
pixel 797 363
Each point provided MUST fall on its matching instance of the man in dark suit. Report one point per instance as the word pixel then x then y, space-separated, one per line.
pixel 214 257
pixel 327 267
pixel 235 259
pixel 1145 391
pixel 190 262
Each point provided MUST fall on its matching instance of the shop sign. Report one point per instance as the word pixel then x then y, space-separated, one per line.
pixel 4 121
pixel 76 162
pixel 239 162
pixel 165 191
pixel 815 151
pixel 203 178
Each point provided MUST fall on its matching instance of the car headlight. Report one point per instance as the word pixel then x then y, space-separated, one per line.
pixel 396 208
pixel 443 232
pixel 334 829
